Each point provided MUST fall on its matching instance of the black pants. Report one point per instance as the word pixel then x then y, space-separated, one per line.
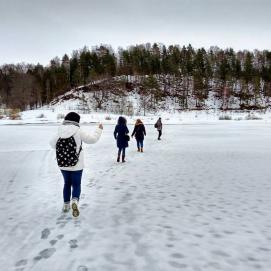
pixel 159 133
pixel 121 150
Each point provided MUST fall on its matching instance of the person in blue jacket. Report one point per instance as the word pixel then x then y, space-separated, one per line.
pixel 121 135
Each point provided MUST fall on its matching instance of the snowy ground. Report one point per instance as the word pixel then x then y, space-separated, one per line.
pixel 197 200
pixel 53 116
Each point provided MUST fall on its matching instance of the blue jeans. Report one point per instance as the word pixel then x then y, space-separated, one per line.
pixel 72 181
pixel 139 143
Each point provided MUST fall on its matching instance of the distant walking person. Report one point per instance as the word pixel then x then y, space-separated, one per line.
pixel 139 133
pixel 158 125
pixel 121 135
pixel 70 158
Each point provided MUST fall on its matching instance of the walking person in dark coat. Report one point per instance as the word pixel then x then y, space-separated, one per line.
pixel 158 125
pixel 121 135
pixel 139 133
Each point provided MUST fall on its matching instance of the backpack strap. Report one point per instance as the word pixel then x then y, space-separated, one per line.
pixel 80 149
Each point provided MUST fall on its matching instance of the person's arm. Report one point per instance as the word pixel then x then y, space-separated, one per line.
pixel 127 131
pixel 144 130
pixel 115 133
pixel 134 132
pixel 91 138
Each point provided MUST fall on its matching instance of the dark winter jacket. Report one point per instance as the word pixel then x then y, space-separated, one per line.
pixel 139 131
pixel 120 133
pixel 159 125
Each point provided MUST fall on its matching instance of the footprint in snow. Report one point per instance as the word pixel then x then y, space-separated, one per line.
pixel 77 223
pixel 21 263
pixel 60 236
pixel 265 249
pixel 45 233
pixel 220 253
pixel 63 220
pixel 177 255
pixel 61 225
pixel 61 217
pixel 53 242
pixel 177 265
pixel 82 268
pixel 83 206
pixel 73 243
pixel 169 245
pixel 45 254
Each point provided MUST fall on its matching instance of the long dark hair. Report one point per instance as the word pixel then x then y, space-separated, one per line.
pixel 122 121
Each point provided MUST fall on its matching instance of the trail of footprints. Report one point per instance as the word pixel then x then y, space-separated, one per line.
pixel 62 220
pixel 176 260
pixel 46 253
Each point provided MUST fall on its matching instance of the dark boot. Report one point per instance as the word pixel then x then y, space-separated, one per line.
pixel 123 159
pixel 118 159
pixel 138 149
pixel 141 150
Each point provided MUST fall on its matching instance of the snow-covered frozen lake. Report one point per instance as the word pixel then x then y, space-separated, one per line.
pixel 199 200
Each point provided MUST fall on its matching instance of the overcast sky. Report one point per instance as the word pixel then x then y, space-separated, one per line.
pixel 37 30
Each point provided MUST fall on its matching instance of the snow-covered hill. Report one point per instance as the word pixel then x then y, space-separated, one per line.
pixel 104 100
pixel 148 94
